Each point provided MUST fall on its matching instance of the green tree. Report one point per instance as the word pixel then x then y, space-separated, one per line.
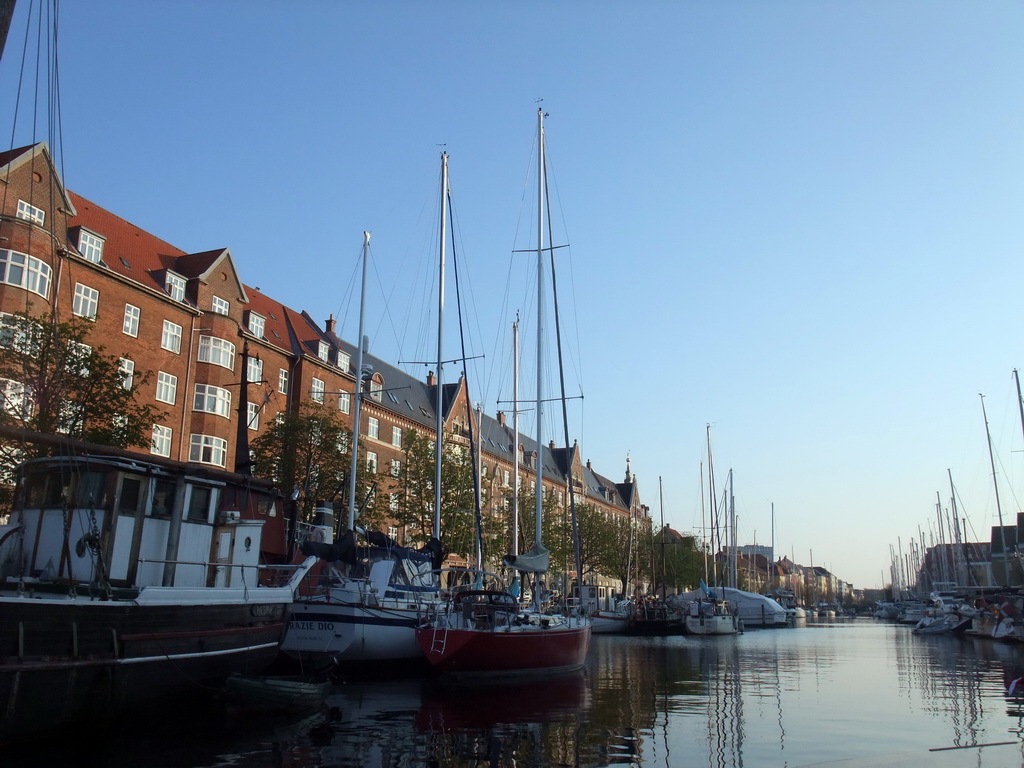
pixel 414 485
pixel 622 555
pixel 53 381
pixel 598 539
pixel 309 451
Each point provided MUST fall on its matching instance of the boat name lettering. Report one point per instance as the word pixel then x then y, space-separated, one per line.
pixel 312 625
pixel 262 610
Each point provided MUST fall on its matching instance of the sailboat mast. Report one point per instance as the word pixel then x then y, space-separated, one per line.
pixel 995 484
pixel 515 437
pixel 354 464
pixel 715 539
pixel 540 326
pixel 439 395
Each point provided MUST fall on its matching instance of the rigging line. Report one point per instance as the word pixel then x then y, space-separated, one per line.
pixel 343 307
pixel 469 401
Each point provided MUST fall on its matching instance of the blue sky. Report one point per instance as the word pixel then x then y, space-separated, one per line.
pixel 797 221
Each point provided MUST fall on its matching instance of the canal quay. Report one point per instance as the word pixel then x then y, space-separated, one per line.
pixel 859 691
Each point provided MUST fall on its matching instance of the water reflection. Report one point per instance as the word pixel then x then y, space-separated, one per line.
pixel 792 697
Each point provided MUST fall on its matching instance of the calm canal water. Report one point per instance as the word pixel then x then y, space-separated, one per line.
pixel 839 690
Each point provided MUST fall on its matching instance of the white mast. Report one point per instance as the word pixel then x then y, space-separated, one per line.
pixel 439 399
pixel 540 325
pixel 354 466
pixel 515 437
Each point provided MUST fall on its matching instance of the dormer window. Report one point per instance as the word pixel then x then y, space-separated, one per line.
pixel 90 246
pixel 175 286
pixel 29 212
pixel 376 386
pixel 324 351
pixel 344 360
pixel 257 324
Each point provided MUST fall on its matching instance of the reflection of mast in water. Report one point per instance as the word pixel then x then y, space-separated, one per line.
pixel 724 704
pixel 948 675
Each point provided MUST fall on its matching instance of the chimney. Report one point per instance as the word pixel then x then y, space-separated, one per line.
pixel 588 463
pixel 501 418
pixel 551 445
pixel 431 379
pixel 330 324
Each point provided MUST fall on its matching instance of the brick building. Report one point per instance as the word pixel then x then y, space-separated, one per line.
pixel 191 320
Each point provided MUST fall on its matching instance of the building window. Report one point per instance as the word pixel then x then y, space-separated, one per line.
pixel 324 351
pixel 211 399
pixel 282 381
pixel 393 506
pixel 344 402
pixel 376 387
pixel 16 398
pixel 373 430
pixel 87 301
pixel 217 351
pixel 396 436
pixel 78 358
pixel 344 360
pixel 371 461
pixel 161 445
pixel 131 320
pixel 166 387
pixel 219 305
pixel 207 449
pixel 127 369
pixel 175 285
pixel 254 374
pixel 29 212
pixel 24 271
pixel 254 416
pixel 257 324
pixel 170 339
pixel 317 390
pixel 396 467
pixel 90 246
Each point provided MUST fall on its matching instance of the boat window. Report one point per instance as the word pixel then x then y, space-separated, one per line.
pixel 163 498
pixel 266 504
pixel 92 490
pixel 199 504
pixel 131 495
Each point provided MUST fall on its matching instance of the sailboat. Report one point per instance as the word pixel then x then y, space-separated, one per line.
pixel 706 613
pixel 481 631
pixel 368 604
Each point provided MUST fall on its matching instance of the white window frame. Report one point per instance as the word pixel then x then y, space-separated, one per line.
pixel 282 381
pixel 323 351
pixel 170 337
pixel 373 428
pixel 344 402
pixel 78 353
pixel 344 360
pixel 371 461
pixel 132 316
pixel 396 467
pixel 17 398
pixel 90 245
pixel 166 387
pixel 254 374
pixel 30 212
pixel 254 416
pixel 211 399
pixel 393 505
pixel 376 388
pixel 257 324
pixel 208 449
pixel 220 306
pixel 87 301
pixel 174 284
pixel 24 271
pixel 316 390
pixel 160 445
pixel 127 368
pixel 396 436
pixel 217 351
